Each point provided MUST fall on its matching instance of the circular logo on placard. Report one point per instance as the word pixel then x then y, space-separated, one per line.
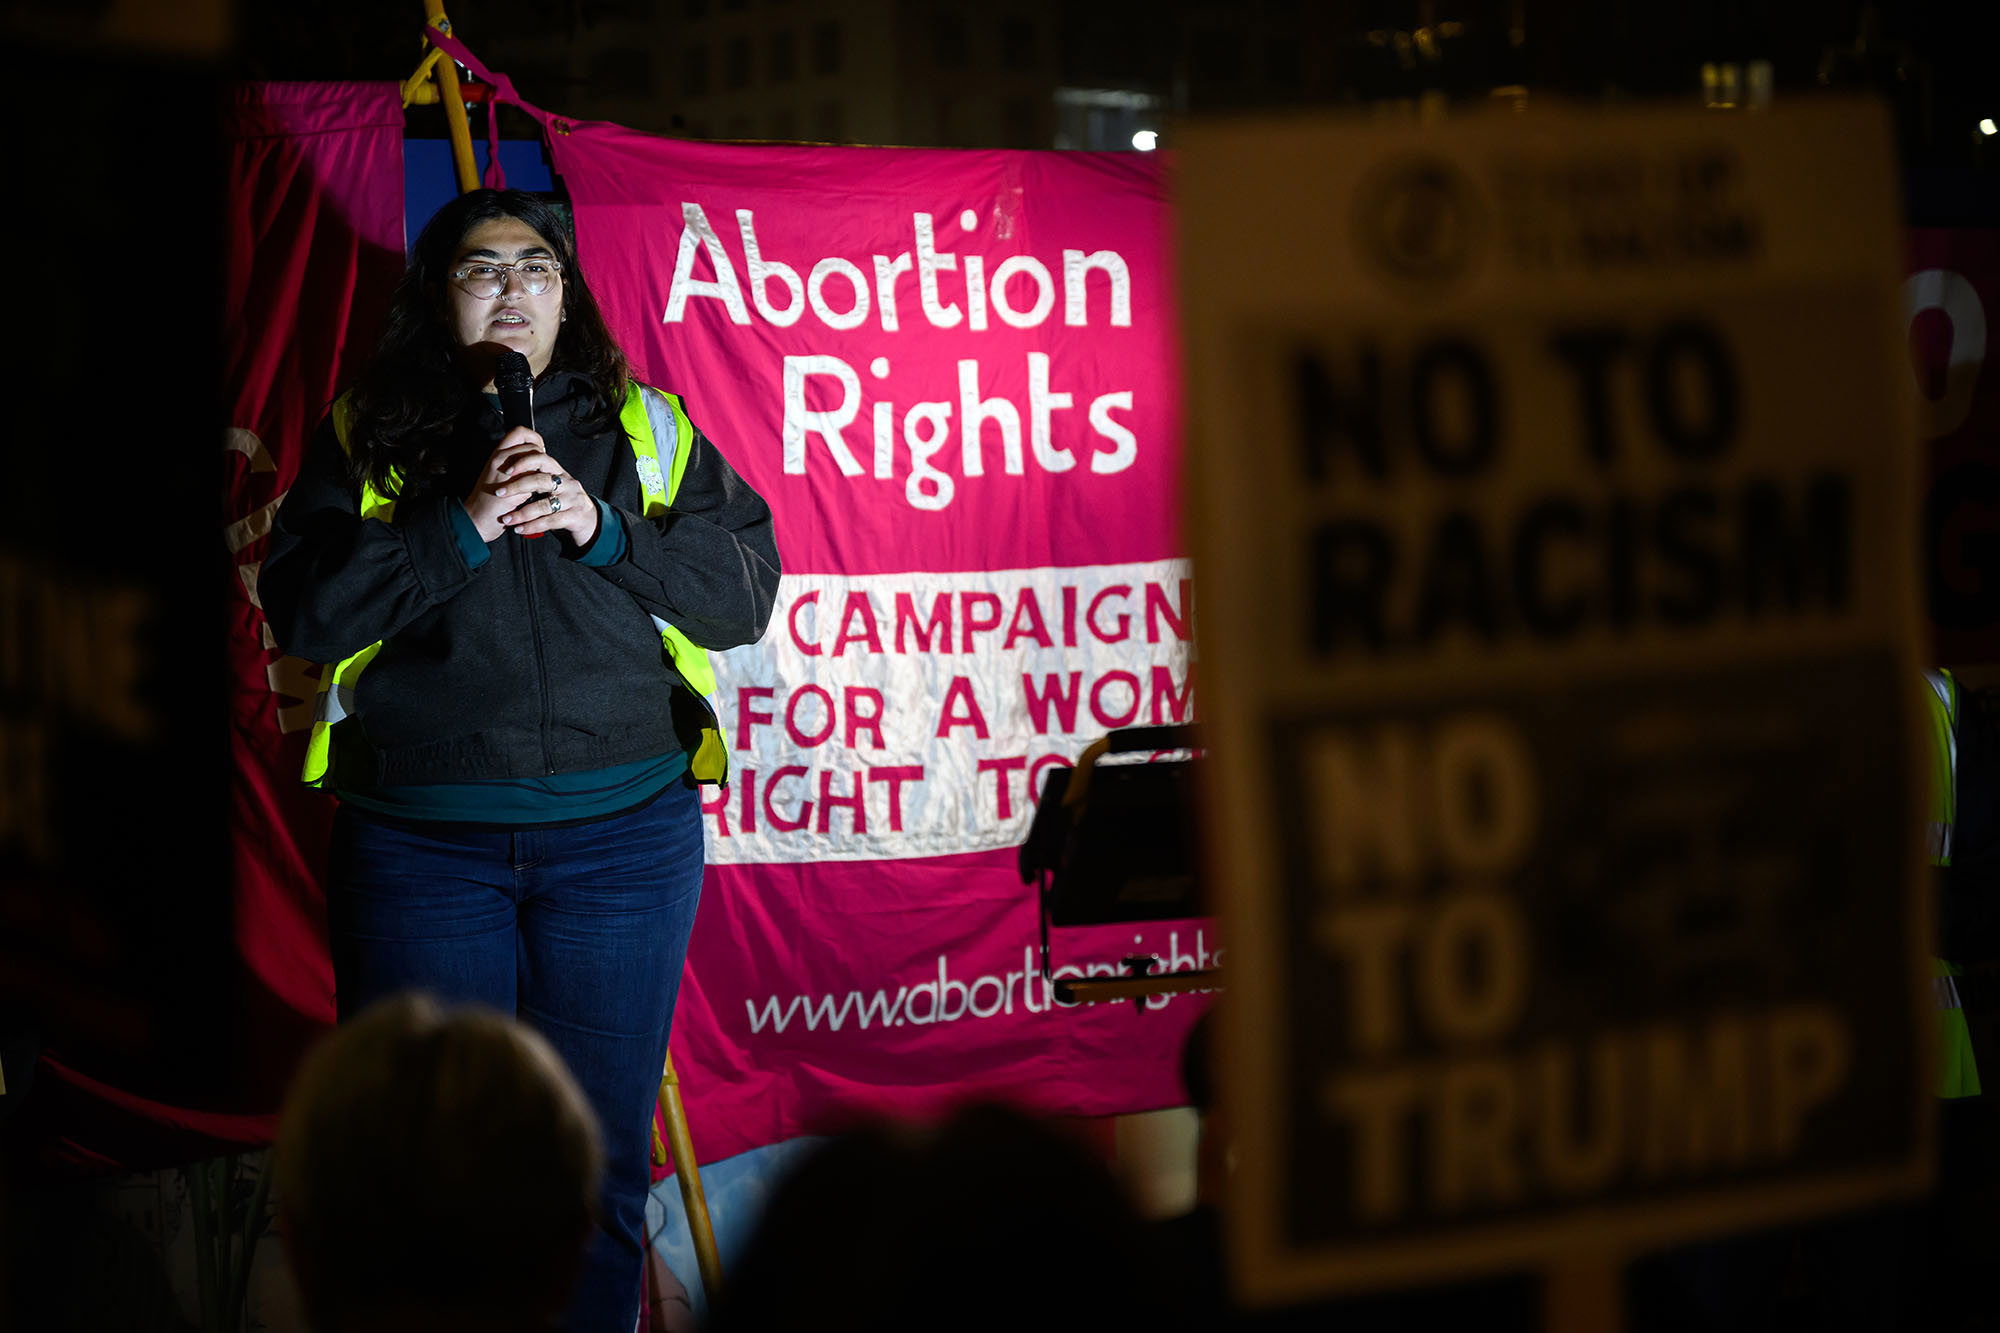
pixel 1419 219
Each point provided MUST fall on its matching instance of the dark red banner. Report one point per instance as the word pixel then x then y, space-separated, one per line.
pixel 315 246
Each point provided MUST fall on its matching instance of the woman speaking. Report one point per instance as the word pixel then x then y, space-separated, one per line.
pixel 514 709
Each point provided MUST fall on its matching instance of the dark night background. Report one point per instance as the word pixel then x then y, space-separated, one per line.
pixel 1008 73
pixel 121 939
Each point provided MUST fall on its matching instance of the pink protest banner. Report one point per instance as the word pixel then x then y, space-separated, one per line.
pixel 1952 290
pixel 952 375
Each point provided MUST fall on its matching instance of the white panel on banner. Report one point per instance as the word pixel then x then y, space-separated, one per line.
pixel 899 715
pixel 1553 501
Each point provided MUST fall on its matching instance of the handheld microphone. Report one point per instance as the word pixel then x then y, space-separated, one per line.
pixel 515 384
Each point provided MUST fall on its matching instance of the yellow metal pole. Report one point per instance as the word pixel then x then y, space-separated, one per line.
pixel 454 105
pixel 681 1145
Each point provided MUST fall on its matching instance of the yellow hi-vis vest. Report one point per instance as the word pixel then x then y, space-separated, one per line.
pixel 1958 1074
pixel 648 416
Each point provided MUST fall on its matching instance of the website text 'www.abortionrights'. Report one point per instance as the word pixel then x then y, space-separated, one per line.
pixel 946 998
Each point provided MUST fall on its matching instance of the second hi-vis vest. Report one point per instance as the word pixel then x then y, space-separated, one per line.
pixel 1958 1074
pixel 648 417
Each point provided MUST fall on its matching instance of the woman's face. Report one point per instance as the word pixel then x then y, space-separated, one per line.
pixel 513 319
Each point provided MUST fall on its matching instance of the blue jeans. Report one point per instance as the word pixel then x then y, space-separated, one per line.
pixel 580 931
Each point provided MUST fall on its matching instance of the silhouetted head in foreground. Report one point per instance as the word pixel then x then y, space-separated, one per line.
pixel 437 1168
pixel 993 1220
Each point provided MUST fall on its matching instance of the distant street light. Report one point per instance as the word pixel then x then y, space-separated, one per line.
pixel 1147 140
pixel 1986 127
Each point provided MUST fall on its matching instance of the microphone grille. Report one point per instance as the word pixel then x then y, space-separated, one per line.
pixel 511 373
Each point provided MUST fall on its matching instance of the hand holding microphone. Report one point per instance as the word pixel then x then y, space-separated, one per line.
pixel 521 488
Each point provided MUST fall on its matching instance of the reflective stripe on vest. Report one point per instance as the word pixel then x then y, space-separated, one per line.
pixel 647 417
pixel 650 416
pixel 1958 1073
pixel 1944 766
pixel 337 682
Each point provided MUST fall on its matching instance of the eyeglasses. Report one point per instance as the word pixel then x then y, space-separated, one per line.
pixel 486 280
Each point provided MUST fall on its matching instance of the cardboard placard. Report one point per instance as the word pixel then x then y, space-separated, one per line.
pixel 1552 496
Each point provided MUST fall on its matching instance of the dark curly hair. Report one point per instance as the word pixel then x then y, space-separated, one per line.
pixel 414 388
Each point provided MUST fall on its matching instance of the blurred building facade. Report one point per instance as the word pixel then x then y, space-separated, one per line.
pixel 949 73
pixel 1092 73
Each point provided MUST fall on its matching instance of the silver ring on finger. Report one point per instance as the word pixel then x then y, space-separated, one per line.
pixel 555 505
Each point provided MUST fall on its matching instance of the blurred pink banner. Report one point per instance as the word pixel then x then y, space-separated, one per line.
pixel 1950 297
pixel 953 376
